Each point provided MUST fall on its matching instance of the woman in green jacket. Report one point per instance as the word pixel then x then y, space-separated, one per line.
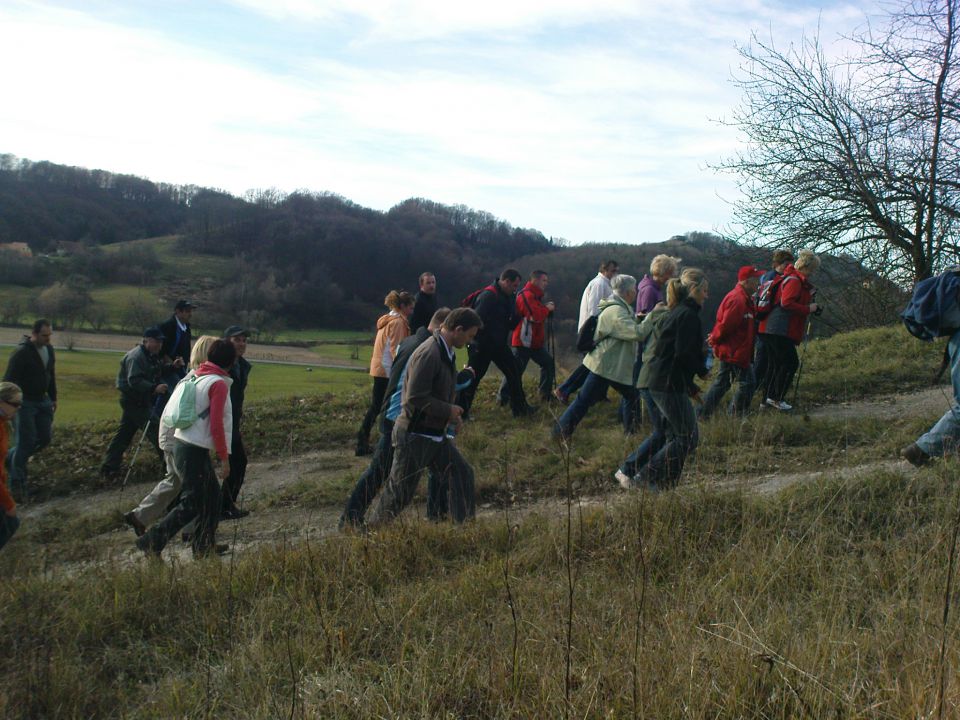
pixel 611 362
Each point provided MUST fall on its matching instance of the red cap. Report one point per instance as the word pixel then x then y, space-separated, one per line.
pixel 747 272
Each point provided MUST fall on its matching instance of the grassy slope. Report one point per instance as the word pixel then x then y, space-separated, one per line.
pixel 824 600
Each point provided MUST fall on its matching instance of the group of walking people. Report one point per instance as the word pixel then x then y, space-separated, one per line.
pixel 649 346
pixel 184 398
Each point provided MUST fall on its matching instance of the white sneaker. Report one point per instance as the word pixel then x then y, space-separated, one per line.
pixel 621 477
pixel 781 405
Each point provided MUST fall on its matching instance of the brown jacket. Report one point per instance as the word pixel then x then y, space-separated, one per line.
pixel 429 389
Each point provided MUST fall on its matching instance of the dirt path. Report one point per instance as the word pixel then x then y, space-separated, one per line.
pixel 934 400
pixel 286 507
pixel 105 342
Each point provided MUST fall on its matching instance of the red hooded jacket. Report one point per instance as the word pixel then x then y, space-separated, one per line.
pixel 793 305
pixel 732 336
pixel 530 307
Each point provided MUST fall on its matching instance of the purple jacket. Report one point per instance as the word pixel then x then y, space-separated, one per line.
pixel 649 293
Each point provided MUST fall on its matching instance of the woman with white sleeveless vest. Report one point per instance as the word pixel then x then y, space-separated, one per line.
pixel 210 431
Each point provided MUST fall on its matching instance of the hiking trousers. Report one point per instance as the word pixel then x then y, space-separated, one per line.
pixel 34 428
pixel 376 403
pixel 377 472
pixel 783 364
pixel 593 391
pixel 746 385
pixel 412 455
pixel 480 357
pixel 133 420
pixel 548 371
pixel 663 469
pixel 238 470
pixel 199 500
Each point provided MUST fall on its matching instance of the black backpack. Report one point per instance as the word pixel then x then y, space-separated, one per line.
pixel 585 341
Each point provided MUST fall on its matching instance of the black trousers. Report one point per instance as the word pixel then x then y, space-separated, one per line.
pixel 238 469
pixel 783 363
pixel 376 402
pixel 480 357
pixel 133 419
pixel 199 499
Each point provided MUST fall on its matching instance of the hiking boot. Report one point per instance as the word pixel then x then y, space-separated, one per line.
pixel 525 411
pixel 133 521
pixel 215 549
pixel 561 396
pixel 145 546
pixel 914 455
pixel 232 512
pixel 621 477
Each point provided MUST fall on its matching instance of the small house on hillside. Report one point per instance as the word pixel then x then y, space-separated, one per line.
pixel 20 248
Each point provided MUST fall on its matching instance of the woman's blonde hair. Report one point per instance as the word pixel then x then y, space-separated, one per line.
pixel 10 392
pixel 396 299
pixel 679 289
pixel 806 262
pixel 201 347
pixel 664 264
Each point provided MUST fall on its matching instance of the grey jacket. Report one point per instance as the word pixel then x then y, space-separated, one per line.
pixel 139 375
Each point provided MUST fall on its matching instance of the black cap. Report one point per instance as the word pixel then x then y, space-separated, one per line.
pixel 183 305
pixel 235 330
pixel 154 333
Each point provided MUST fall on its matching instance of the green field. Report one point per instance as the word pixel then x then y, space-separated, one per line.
pixel 87 393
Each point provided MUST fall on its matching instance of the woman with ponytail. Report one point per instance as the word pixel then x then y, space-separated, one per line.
pixel 677 356
pixel 392 328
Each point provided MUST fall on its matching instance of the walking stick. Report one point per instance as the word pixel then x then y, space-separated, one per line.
pixel 552 344
pixel 135 453
pixel 803 354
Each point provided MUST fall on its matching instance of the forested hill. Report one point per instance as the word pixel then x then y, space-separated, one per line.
pixel 314 259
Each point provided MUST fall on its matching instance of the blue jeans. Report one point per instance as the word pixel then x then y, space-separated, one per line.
pixel 593 391
pixel 740 404
pixel 34 430
pixel 680 428
pixel 8 526
pixel 575 381
pixel 548 371
pixel 651 445
pixel 944 436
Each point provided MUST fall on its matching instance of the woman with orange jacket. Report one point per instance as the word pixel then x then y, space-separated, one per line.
pixel 392 328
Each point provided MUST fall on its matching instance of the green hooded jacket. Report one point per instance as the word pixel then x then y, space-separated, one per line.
pixel 616 336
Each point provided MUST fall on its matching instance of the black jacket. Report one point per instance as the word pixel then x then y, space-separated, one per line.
pixel 171 348
pixel 678 355
pixel 240 372
pixel 498 310
pixel 25 368
pixel 423 309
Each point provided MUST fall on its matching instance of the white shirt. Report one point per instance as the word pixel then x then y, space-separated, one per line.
pixel 597 289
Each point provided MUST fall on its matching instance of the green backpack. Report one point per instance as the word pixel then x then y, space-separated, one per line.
pixel 181 411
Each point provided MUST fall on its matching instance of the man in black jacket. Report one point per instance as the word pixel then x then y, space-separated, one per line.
pixel 32 366
pixel 139 384
pixel 496 306
pixel 240 373
pixel 177 338
pixel 425 304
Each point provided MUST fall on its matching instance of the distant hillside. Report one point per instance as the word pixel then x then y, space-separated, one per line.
pixel 114 251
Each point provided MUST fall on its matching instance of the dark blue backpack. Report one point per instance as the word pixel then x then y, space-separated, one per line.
pixel 934 310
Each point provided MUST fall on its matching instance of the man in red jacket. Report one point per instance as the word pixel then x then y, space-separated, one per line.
pixel 528 337
pixel 732 343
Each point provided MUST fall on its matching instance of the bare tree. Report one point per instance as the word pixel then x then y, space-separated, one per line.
pixel 857 156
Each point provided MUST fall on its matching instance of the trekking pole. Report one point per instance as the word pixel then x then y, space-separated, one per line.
pixel 552 344
pixel 136 452
pixel 803 354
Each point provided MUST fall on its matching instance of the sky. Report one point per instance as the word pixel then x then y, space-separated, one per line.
pixel 592 121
